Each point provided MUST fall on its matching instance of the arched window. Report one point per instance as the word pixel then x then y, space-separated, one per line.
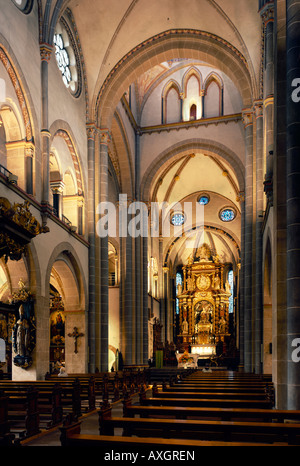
pixel 171 104
pixel 231 284
pixel 193 112
pixel 178 283
pixel 192 95
pixel 213 100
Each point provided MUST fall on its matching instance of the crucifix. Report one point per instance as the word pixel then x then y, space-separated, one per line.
pixel 75 335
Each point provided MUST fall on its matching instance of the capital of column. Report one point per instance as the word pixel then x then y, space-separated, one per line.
pixel 45 133
pixel 29 149
pixel 247 117
pixel 57 186
pixel 258 107
pixel 45 52
pixel 267 13
pixel 105 136
pixel 91 131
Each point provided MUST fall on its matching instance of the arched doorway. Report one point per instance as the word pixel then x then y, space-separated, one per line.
pixel 66 313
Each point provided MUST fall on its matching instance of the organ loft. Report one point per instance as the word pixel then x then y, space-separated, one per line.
pixel 203 303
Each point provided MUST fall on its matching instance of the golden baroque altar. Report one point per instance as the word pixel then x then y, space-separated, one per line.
pixel 203 303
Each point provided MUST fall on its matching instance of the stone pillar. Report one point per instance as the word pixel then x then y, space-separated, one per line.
pixel 29 154
pixel 248 269
pixel 293 197
pixel 145 298
pixel 166 295
pixel 45 51
pixel 258 305
pixel 267 14
pixel 241 313
pixel 57 191
pixel 138 264
pixel 103 252
pixel 91 133
pixel 279 268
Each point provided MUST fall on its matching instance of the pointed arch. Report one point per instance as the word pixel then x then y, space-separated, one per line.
pixel 171 85
pixel 213 79
pixel 191 72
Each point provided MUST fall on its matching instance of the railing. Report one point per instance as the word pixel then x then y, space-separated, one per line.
pixel 8 174
pixel 66 220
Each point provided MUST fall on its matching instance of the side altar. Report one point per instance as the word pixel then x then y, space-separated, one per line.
pixel 203 303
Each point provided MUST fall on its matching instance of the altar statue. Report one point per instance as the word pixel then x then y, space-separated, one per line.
pixel 185 327
pixel 222 325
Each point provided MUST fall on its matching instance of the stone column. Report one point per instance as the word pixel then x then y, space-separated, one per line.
pixel 279 268
pixel 241 313
pixel 248 270
pixel 258 305
pixel 29 155
pixel 166 295
pixel 57 191
pixel 45 51
pixel 293 198
pixel 145 298
pixel 91 133
pixel 104 139
pixel 267 14
pixel 138 264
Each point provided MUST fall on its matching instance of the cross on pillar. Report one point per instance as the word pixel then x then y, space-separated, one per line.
pixel 75 335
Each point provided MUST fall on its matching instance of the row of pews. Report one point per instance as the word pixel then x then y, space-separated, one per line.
pixel 191 411
pixel 29 407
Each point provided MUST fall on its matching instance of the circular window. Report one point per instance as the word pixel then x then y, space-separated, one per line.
pixel 62 59
pixel 24 5
pixel 67 57
pixel 177 219
pixel 204 199
pixel 228 214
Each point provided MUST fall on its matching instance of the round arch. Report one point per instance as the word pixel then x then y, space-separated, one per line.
pixel 64 251
pixel 191 43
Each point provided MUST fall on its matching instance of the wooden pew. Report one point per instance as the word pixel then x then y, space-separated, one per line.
pixel 23 413
pixel 209 402
pixel 214 389
pixel 200 429
pixel 71 437
pixel 222 414
pixel 6 437
pixel 224 394
pixel 53 398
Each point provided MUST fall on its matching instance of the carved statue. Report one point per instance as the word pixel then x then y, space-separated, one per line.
pixel 185 327
pixel 204 252
pixel 21 334
pixel 190 283
pixel 217 282
pixel 24 337
pixel 222 325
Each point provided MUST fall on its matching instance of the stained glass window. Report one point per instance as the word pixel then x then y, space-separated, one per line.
pixel 177 219
pixel 227 215
pixel 203 200
pixel 62 59
pixel 230 281
pixel 178 282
